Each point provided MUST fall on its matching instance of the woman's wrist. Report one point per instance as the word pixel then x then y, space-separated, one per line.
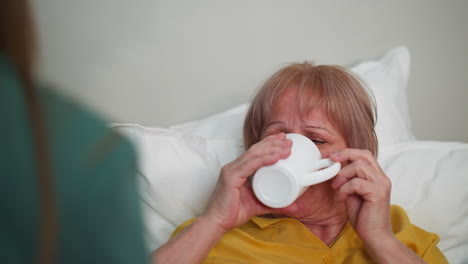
pixel 380 243
pixel 210 227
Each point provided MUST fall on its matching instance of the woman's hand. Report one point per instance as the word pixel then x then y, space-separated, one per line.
pixel 233 202
pixel 365 189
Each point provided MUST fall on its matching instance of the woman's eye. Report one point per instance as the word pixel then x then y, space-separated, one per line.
pixel 319 142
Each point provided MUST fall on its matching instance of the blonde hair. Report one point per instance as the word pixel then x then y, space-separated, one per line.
pixel 343 96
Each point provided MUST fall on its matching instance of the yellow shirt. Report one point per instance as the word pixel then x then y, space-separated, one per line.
pixel 286 240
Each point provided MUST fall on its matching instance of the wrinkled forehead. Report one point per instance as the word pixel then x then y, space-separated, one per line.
pixel 295 100
pixel 302 103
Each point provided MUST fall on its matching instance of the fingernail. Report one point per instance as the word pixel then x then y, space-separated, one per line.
pixel 335 154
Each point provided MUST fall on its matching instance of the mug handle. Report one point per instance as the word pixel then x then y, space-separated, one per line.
pixel 323 174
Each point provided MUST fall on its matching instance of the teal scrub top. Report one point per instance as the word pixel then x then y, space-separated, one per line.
pixel 94 169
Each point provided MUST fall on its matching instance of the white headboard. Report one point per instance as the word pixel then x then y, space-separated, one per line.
pixel 164 62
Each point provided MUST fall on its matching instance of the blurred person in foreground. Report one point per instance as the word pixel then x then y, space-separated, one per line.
pixel 347 219
pixel 67 183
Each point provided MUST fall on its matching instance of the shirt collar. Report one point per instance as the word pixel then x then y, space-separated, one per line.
pixel 264 222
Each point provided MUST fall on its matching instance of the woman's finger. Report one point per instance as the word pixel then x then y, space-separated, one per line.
pixel 268 145
pixel 354 155
pixel 237 175
pixel 368 191
pixel 357 186
pixel 358 169
pixel 283 152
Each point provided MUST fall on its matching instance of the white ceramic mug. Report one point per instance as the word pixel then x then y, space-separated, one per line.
pixel 280 184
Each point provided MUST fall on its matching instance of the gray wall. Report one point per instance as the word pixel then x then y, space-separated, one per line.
pixel 163 62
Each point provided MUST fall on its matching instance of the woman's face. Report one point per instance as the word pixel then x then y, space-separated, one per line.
pixel 286 117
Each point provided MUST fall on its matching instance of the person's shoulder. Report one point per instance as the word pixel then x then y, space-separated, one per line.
pixel 7 73
pixel 422 242
pixel 60 107
pixel 11 94
pixel 76 131
pixel 401 221
pixel 397 212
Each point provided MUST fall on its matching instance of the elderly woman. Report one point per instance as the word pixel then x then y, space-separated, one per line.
pixel 347 219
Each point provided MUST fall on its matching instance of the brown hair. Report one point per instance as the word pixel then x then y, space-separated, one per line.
pixel 343 96
pixel 18 43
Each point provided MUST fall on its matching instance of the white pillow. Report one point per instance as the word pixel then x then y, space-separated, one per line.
pixel 387 79
pixel 225 125
pixel 177 174
pixel 429 180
